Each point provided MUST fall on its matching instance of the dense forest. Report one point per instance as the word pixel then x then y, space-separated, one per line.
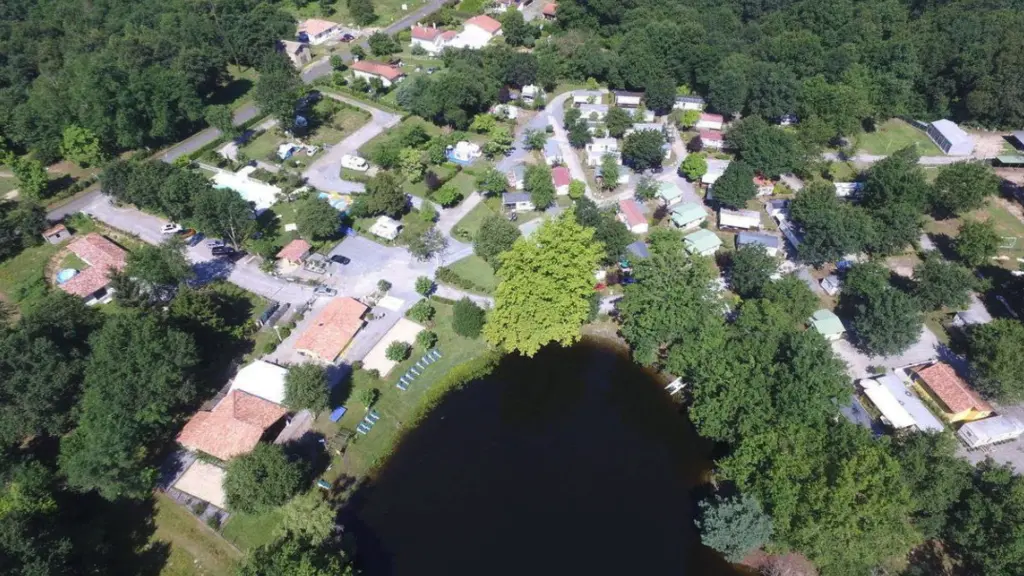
pixel 131 73
pixel 837 62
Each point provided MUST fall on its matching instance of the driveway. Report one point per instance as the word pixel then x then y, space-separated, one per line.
pixel 245 273
pixel 325 172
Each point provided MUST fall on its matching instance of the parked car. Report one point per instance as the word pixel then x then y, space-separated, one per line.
pixel 222 251
pixel 170 228
pixel 354 163
pixel 322 290
pixel 347 38
pixel 186 233
pixel 194 240
pixel 339 259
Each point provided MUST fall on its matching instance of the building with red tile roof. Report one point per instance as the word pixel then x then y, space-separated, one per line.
pixel 712 139
pixel 560 176
pixel 294 251
pixel 961 403
pixel 428 33
pixel 710 121
pixel 103 257
pixel 550 10
pixel 368 69
pixel 332 329
pixel 233 427
pixel 56 234
pixel 485 23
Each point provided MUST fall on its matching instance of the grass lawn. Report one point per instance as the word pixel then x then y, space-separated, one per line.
pixel 342 122
pixel 430 128
pixel 263 146
pixel 467 228
pixel 843 172
pixel 893 135
pixel 936 322
pixel 473 6
pixel 22 278
pixel 237 91
pixel 394 405
pixel 387 11
pixel 477 271
pixel 1006 224
pixel 7 184
pixel 249 531
pixel 194 548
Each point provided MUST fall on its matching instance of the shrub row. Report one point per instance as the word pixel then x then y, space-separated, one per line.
pixel 448 276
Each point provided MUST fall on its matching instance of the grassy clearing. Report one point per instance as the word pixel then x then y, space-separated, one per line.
pixel 194 548
pixel 477 271
pixel 430 128
pixel 387 11
pixel 249 531
pixel 467 228
pixel 394 405
pixel 341 120
pixel 1006 224
pixel 936 322
pixel 893 135
pixel 843 171
pixel 22 278
pixel 264 146
pixel 7 184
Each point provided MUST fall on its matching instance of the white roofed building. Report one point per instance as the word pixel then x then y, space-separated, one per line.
pixel 950 138
pixel 990 431
pixel 900 407
pixel 262 379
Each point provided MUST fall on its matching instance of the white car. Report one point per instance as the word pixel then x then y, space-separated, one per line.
pixel 170 228
pixel 354 163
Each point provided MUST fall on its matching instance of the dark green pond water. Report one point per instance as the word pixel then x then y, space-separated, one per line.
pixel 573 462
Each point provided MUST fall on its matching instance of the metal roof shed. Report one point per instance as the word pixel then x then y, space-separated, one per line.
pixel 990 431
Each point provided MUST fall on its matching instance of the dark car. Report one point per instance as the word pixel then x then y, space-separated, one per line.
pixel 347 38
pixel 222 251
pixel 339 259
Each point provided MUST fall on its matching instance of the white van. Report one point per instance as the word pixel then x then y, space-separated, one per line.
pixel 354 163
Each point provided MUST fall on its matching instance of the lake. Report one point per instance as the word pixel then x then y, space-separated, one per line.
pixel 573 462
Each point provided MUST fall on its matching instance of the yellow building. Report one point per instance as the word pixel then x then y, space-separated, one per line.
pixel 958 402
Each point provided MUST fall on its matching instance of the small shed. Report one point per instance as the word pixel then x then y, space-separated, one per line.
pixel 689 103
pixel 294 252
pixel 702 243
pixel 688 215
pixel 518 201
pixel 743 219
pixel 827 324
pixel 624 99
pixel 56 234
pixel 831 284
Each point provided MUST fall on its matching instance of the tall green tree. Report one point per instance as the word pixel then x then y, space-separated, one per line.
pixel 81 146
pixel 609 172
pixel 751 270
pixel 977 242
pixel 222 118
pixel 223 213
pixel 608 229
pixel 33 181
pixel 983 531
pixel 161 264
pixel 495 236
pixel 384 195
pixel 935 476
pixel 305 387
pixel 671 302
pixel 540 186
pixel 769 150
pixel 310 516
pixel 262 479
pixel 278 88
pixel 515 29
pixel 694 167
pixel 962 187
pixel 831 227
pixel 888 323
pixel 733 526
pixel 735 187
pixel 138 379
pixel 617 121
pixel 295 556
pixel 545 283
pixel 939 283
pixel 316 219
pixel 994 350
pixel 642 150
pixel 362 11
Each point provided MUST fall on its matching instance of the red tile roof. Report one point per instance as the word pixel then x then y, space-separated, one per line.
pixel 560 176
pixel 378 69
pixel 631 210
pixel 486 22
pixel 55 230
pixel 332 329
pixel 102 256
pixel 712 118
pixel 943 381
pixel 315 27
pixel 428 33
pixel 233 427
pixel 710 135
pixel 550 9
pixel 295 250
pixel 449 35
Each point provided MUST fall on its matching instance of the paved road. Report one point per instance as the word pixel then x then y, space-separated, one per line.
pixel 924 161
pixel 244 273
pixel 325 172
pixel 323 67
